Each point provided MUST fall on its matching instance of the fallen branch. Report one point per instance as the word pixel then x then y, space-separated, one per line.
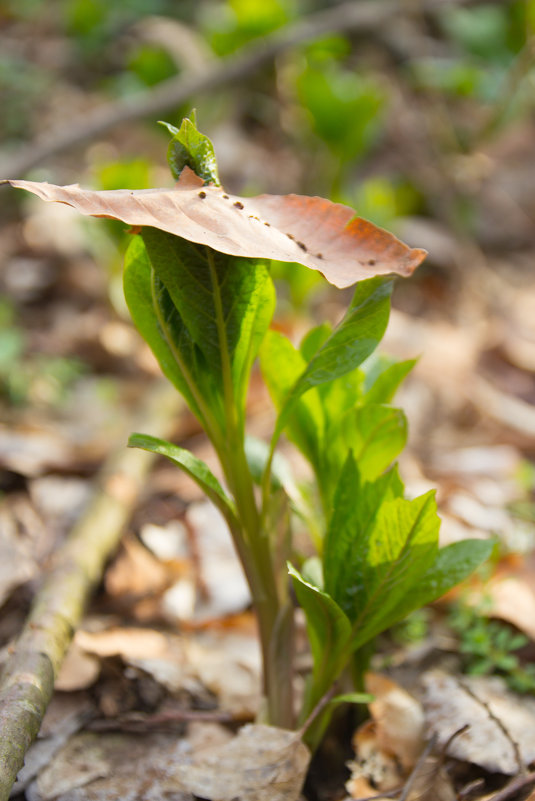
pixel 365 15
pixel 27 682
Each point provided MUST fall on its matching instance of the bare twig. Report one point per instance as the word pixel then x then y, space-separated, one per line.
pixel 519 70
pixel 141 723
pixel 27 683
pixel 416 771
pixel 318 709
pixel 175 91
pixel 513 787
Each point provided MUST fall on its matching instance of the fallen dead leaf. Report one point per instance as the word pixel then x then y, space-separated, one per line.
pixel 108 767
pixel 322 235
pixel 78 670
pixel 221 574
pixel 430 782
pixel 374 768
pixel 82 760
pixel 224 662
pixel 388 746
pixel 31 452
pixel 135 571
pixel 262 763
pixel 398 717
pixel 448 707
pixel 17 562
pixel 512 597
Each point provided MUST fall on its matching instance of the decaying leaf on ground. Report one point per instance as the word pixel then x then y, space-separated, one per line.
pixel 388 746
pixel 262 763
pixel 487 742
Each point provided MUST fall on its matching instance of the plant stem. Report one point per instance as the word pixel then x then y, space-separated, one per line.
pixel 274 613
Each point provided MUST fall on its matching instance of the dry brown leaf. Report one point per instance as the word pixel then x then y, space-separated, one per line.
pixel 511 593
pixel 374 766
pixel 322 235
pixel 108 767
pixel 398 717
pixel 33 451
pixel 78 670
pixel 448 707
pixel 387 746
pixel 430 782
pixel 226 663
pixel 135 571
pixel 262 763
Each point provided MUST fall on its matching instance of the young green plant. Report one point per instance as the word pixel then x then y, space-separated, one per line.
pixel 198 288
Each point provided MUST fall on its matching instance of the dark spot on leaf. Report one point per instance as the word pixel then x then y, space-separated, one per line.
pixel 202 194
pixel 239 204
pixel 302 246
pixel 371 262
pixel 225 196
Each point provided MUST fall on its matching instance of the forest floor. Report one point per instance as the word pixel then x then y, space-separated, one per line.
pixel 165 666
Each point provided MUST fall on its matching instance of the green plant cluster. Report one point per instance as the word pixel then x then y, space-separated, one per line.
pixel 206 316
pixel 490 647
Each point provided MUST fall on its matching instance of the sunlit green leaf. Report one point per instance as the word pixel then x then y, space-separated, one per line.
pixel 453 564
pixel 190 148
pixel 225 303
pixel 351 342
pixel 193 467
pixel 383 378
pixel 281 366
pixel 346 555
pixel 158 322
pixel 329 629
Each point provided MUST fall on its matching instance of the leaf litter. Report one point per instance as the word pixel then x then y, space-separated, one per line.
pixel 457 455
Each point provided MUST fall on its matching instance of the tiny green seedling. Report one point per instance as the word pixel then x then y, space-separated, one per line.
pixel 198 288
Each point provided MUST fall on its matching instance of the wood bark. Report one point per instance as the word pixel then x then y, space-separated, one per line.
pixel 27 682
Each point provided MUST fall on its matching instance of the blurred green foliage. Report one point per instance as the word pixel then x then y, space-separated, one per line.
pixel 39 379
pixel 490 647
pixel 329 106
pixel 228 26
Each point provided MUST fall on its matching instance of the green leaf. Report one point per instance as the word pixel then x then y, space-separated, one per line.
pixel 281 366
pixel 351 342
pixel 383 378
pixel 313 340
pixel 376 434
pixel 158 322
pixel 225 303
pixel 257 454
pixel 354 339
pixel 403 546
pixel 352 698
pixel 190 148
pixel 329 629
pixel 193 467
pixel 377 549
pixel 347 542
pixel 453 564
